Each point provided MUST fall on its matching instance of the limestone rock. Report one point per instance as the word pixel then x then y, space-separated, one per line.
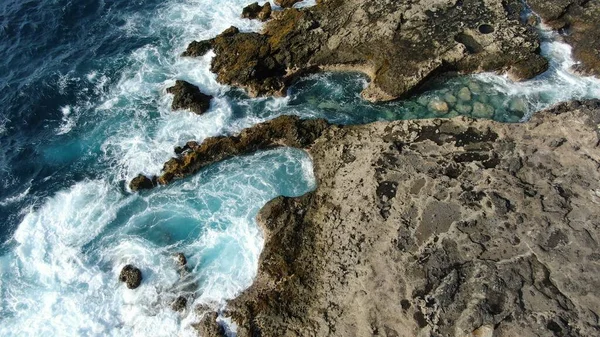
pixel 131 276
pixel 579 19
pixel 438 106
pixel 481 110
pixel 189 97
pixel 256 11
pixel 464 94
pixel 442 227
pixel 398 44
pixel 286 3
pixel 209 327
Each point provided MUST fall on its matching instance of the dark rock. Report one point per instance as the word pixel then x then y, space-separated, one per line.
pixel 281 131
pixel 187 96
pixel 256 11
pixel 286 3
pixel 141 182
pixel 131 275
pixel 578 18
pixel 179 304
pixel 209 327
pixel 198 48
pixel 181 260
pixel 399 44
pixel 504 250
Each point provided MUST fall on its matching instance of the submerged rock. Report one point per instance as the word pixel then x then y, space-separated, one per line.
pixel 181 260
pixel 256 11
pixel 481 110
pixel 442 227
pixel 438 106
pixel 464 94
pixel 131 276
pixel 189 97
pixel 400 47
pixel 179 304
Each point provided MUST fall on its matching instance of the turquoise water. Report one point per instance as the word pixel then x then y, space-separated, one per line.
pixel 84 109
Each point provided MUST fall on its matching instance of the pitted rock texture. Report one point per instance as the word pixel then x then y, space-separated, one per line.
pixel 256 11
pixel 454 227
pixel 281 131
pixel 578 20
pixel 399 44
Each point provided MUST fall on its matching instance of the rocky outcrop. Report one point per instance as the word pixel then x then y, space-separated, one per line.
pixel 286 3
pixel 131 276
pixel 141 182
pixel 187 96
pixel 256 11
pixel 179 304
pixel 281 131
pixel 399 44
pixel 578 19
pixel 453 227
pixel 209 327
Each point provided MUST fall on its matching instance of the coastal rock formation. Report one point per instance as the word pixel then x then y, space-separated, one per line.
pixel 579 20
pixel 131 275
pixel 398 44
pixel 141 182
pixel 282 131
pixel 209 327
pixel 189 97
pixel 256 11
pixel 454 227
pixel 179 304
pixel 286 3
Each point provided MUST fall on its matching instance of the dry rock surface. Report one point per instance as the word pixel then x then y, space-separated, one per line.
pixel 578 20
pixel 453 227
pixel 399 44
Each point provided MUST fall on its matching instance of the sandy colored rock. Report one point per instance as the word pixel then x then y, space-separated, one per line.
pixel 398 44
pixel 443 227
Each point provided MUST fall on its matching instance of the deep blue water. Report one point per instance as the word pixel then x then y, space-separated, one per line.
pixel 83 109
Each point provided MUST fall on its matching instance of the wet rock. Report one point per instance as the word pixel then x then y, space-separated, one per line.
pixel 464 94
pixel 131 276
pixel 450 99
pixel 197 48
pixel 286 3
pixel 141 182
pixel 440 227
pixel 399 47
pixel 463 109
pixel 481 110
pixel 281 131
pixel 256 11
pixel 209 327
pixel 519 106
pixel 574 17
pixel 179 304
pixel 528 69
pixel 438 106
pixel 181 260
pixel 189 97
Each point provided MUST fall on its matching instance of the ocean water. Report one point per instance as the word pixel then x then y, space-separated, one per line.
pixel 83 109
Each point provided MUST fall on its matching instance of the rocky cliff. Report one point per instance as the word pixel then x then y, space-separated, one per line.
pixel 399 44
pixel 452 227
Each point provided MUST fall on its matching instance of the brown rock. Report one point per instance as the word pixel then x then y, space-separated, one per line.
pixel 141 182
pixel 179 304
pixel 286 3
pixel 209 327
pixel 256 11
pixel 131 276
pixel 197 48
pixel 579 19
pixel 188 97
pixel 399 44
pixel 453 227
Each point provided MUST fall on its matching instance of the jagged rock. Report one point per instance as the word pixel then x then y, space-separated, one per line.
pixel 189 97
pixel 256 11
pixel 579 19
pixel 286 3
pixel 399 44
pixel 442 227
pixel 198 48
pixel 209 327
pixel 181 260
pixel 131 276
pixel 281 131
pixel 179 304
pixel 141 182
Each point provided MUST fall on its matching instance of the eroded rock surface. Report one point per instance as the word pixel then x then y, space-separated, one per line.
pixel 187 96
pixel 578 19
pixel 281 131
pixel 453 227
pixel 131 276
pixel 209 327
pixel 399 44
pixel 256 11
